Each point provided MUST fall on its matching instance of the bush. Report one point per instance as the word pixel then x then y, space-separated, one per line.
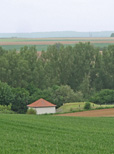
pixel 105 96
pixel 31 111
pixel 87 106
pixel 6 109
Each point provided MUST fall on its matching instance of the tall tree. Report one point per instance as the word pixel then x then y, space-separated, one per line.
pixel 6 94
pixel 21 99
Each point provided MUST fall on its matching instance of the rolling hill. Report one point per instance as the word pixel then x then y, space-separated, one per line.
pixel 57 34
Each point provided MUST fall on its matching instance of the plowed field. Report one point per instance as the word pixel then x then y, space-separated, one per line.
pixel 51 42
pixel 92 113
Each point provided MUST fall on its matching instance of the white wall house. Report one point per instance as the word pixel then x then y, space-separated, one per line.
pixel 42 106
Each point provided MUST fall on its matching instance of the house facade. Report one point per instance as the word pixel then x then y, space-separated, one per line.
pixel 42 107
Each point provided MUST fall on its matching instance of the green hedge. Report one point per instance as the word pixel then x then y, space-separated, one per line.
pixel 105 96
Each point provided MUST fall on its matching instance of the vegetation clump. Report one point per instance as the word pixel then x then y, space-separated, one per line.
pixel 105 96
pixel 87 106
pixel 6 109
pixel 61 74
pixel 31 111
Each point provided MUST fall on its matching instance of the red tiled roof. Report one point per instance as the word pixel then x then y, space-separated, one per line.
pixel 41 103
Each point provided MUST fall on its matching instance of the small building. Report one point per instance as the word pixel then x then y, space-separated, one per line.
pixel 42 106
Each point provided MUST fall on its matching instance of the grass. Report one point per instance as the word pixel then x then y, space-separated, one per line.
pixel 26 134
pixel 78 106
pixel 17 47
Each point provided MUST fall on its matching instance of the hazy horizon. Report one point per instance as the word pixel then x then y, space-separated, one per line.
pixel 29 16
pixel 61 31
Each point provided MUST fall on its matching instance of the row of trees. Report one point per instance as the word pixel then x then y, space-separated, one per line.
pixel 82 67
pixel 19 98
pixel 77 72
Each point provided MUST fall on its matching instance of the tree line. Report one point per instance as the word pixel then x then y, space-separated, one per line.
pixel 112 35
pixel 60 74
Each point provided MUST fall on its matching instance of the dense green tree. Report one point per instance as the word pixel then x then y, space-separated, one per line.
pixel 3 51
pixel 21 100
pixel 105 96
pixel 64 94
pixel 83 63
pixel 108 60
pixel 4 69
pixel 6 94
pixel 84 68
pixel 85 87
pixel 29 54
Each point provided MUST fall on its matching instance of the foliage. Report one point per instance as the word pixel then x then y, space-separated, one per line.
pixel 21 99
pixel 31 111
pixel 5 107
pixel 77 71
pixel 6 94
pixel 87 106
pixel 65 94
pixel 105 96
pixel 57 95
pixel 55 134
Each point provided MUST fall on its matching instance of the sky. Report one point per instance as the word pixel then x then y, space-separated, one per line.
pixel 18 16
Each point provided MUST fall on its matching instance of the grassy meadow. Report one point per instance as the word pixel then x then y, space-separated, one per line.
pixel 47 134
pixel 72 107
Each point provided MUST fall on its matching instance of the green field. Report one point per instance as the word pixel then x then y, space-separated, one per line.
pixel 31 134
pixel 69 107
pixel 44 47
pixel 101 42
pixel 17 47
pixel 56 39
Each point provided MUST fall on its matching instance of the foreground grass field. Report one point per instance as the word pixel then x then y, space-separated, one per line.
pixel 30 134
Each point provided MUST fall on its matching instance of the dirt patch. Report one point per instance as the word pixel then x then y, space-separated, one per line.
pixel 92 113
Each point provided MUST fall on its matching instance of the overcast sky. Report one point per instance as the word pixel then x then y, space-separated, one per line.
pixel 56 15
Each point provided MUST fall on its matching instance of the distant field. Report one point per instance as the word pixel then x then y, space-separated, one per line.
pixel 43 43
pixel 30 134
pixel 17 47
pixel 69 107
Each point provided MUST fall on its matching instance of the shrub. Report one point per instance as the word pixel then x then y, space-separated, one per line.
pixel 105 96
pixel 6 109
pixel 87 106
pixel 31 111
